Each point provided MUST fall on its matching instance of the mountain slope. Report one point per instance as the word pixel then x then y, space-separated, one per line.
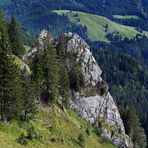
pixel 105 7
pixel 35 8
pixel 52 127
pixel 97 26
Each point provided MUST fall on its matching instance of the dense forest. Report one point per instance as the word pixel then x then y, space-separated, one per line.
pixel 127 79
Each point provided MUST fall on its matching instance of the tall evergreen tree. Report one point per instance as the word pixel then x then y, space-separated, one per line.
pixel 10 85
pixel 29 108
pixel 15 37
pixel 51 69
pixel 64 76
pixel 37 66
pixel 133 127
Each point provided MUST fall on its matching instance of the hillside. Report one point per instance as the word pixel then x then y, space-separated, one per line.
pixel 40 18
pixel 106 7
pixel 53 128
pixel 96 25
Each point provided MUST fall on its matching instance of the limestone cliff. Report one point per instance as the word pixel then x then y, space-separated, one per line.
pixel 94 102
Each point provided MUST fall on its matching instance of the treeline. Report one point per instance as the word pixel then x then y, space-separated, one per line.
pixel 128 83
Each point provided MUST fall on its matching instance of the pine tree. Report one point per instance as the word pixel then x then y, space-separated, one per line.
pixel 10 86
pixel 15 37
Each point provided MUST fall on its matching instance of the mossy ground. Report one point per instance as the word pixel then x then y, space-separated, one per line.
pixel 54 129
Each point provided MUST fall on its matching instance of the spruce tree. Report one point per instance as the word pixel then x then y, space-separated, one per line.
pixel 29 108
pixel 133 127
pixel 15 37
pixel 10 85
pixel 64 76
pixel 51 69
pixel 37 66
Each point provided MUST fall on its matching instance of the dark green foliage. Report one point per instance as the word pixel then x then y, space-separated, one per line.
pixel 133 127
pixel 53 140
pixel 81 140
pixel 104 140
pixel 37 70
pixel 102 88
pixel 31 133
pixel 75 74
pixel 87 131
pixel 29 108
pixel 128 80
pixel 10 83
pixel 22 140
pixel 15 37
pixel 51 69
pixel 98 131
pixel 64 77
pixel 46 71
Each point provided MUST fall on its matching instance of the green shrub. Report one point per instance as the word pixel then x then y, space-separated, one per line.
pixel 22 140
pixel 53 140
pixel 98 131
pixel 104 140
pixel 81 140
pixel 87 131
pixel 31 133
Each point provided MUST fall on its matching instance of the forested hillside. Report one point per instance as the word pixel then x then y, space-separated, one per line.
pixel 128 80
pixel 36 8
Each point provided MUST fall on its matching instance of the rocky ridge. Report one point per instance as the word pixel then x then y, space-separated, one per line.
pixel 93 102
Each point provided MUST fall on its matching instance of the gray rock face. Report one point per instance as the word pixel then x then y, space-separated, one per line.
pixel 99 107
pixel 90 68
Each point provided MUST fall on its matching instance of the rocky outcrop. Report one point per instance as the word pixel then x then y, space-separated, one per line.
pixel 94 102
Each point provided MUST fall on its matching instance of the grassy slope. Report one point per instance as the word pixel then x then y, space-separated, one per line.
pixel 95 25
pixel 52 123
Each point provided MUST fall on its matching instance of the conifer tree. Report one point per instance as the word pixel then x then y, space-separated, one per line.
pixel 29 108
pixel 10 84
pixel 51 69
pixel 64 76
pixel 37 66
pixel 133 127
pixel 15 37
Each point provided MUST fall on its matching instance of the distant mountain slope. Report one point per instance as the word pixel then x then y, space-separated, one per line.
pixel 97 26
pixel 105 7
pixel 35 8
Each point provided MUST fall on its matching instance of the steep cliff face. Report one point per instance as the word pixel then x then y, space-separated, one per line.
pixel 93 102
